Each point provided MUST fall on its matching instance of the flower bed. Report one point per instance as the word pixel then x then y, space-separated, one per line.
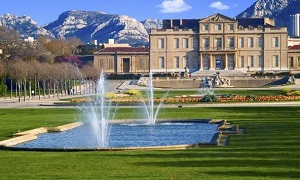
pixel 190 99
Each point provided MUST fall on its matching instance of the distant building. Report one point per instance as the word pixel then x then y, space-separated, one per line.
pixel 294 25
pixel 111 43
pixel 294 58
pixel 29 39
pixel 122 60
pixel 293 41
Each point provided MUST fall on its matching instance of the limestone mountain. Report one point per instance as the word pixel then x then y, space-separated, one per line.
pixel 24 25
pixel 93 25
pixel 278 9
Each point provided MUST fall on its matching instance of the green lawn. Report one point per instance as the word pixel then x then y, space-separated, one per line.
pixel 269 150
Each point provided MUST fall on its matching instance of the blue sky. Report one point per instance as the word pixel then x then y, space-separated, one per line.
pixel 45 11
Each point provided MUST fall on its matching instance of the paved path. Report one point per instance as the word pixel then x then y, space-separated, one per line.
pixel 123 85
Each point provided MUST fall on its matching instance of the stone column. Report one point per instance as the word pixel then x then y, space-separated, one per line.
pixel 201 62
pixel 211 66
pixel 226 62
pixel 235 61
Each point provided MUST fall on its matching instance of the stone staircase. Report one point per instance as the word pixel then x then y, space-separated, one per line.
pixel 223 73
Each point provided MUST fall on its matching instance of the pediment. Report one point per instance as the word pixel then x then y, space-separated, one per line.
pixel 217 18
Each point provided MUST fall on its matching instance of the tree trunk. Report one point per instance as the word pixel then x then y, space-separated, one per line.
pixel 19 91
pixel 44 89
pixel 49 90
pixel 30 91
pixel 24 88
pixel 16 93
pixel 11 88
pixel 38 84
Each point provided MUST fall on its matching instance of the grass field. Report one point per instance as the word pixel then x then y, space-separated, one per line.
pixel 269 149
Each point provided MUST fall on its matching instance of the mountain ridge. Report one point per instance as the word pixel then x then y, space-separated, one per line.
pixel 278 9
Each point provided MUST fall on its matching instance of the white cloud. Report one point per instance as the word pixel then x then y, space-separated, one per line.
pixel 174 6
pixel 219 5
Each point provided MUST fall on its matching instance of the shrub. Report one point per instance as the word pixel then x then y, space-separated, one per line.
pixel 133 92
pixel 286 91
pixel 296 93
pixel 110 95
pixel 251 97
pixel 3 89
pixel 209 98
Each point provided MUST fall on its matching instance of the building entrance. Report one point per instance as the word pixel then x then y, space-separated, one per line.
pixel 219 63
pixel 126 65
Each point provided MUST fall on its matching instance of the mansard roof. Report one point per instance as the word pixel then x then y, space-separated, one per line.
pixel 254 22
pixel 180 23
pixel 133 50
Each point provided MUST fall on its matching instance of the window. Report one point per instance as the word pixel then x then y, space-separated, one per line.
pixel 218 42
pixel 250 61
pixel 161 43
pixel 161 62
pixel 242 62
pixel 291 62
pixel 141 64
pixel 176 62
pixel 250 42
pixel 206 42
pixel 260 42
pixel 260 61
pixel 231 42
pixel 185 43
pixel 298 59
pixel 275 41
pixel 218 27
pixel 102 63
pixel 241 42
pixel 205 27
pixel 230 26
pixel 110 64
pixel 275 61
pixel 176 43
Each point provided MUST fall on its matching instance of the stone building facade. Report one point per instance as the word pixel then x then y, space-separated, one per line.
pixel 122 60
pixel 219 43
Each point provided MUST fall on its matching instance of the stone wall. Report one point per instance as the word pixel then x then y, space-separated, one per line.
pixel 195 82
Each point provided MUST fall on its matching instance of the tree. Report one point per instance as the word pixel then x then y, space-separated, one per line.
pixel 91 74
pixel 9 41
pixel 17 71
pixel 3 87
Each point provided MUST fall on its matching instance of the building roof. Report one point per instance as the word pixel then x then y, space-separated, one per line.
pixel 181 23
pixel 295 47
pixel 113 50
pixel 254 22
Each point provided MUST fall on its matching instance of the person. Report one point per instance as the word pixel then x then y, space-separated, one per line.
pixel 32 93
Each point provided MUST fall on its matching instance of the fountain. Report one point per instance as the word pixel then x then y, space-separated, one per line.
pixel 151 111
pixel 98 112
pixel 206 86
pixel 98 132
